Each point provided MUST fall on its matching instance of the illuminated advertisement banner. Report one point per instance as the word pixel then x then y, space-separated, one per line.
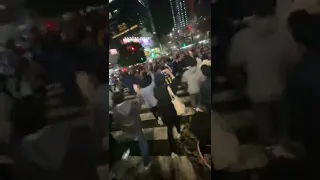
pixel 144 41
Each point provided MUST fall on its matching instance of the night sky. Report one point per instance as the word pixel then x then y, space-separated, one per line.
pixel 161 12
pixel 57 7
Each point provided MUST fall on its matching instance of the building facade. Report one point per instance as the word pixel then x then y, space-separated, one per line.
pixel 179 13
pixel 126 18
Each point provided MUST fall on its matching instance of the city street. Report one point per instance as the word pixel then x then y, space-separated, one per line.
pixel 164 166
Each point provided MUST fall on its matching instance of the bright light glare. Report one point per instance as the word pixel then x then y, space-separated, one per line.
pixel 204 42
pixel 187 46
pixel 2 7
pixel 113 51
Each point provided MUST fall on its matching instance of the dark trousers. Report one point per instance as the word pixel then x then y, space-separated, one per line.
pixel 171 119
pixel 270 120
pixel 114 151
pixel 154 111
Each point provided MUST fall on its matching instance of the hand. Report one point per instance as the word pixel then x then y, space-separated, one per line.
pixel 136 88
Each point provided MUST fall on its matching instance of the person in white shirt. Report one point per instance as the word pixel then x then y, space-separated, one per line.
pixel 266 52
pixel 146 92
pixel 193 77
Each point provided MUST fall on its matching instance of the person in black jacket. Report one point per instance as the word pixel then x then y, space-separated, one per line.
pixel 166 108
pixel 205 88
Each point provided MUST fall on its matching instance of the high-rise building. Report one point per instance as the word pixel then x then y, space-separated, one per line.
pixel 145 4
pixel 179 13
pixel 126 18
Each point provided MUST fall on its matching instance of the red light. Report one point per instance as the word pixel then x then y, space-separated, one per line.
pixel 124 69
pixel 188 27
pixel 132 48
pixel 50 25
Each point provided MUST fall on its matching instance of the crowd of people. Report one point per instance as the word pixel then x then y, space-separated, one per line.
pixel 155 84
pixel 51 115
pixel 57 104
pixel 58 108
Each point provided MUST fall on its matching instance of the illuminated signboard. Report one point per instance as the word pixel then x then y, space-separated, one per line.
pixel 127 30
pixel 144 41
pixel 122 27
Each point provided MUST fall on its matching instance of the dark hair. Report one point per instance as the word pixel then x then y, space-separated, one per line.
pixel 117 98
pixel 206 70
pixel 190 61
pixel 305 28
pixel 147 80
pixel 204 56
pixel 263 8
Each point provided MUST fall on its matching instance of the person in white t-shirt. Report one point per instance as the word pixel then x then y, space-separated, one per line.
pixel 193 77
pixel 267 53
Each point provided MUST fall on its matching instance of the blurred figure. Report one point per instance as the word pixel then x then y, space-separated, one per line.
pixel 266 54
pixel 193 77
pixel 205 87
pixel 146 92
pixel 128 80
pixel 303 87
pixel 166 108
pixel 28 113
pixel 36 42
pixel 126 114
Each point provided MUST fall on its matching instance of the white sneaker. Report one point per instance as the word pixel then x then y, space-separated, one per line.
pixel 126 154
pixel 160 122
pixel 174 155
pixel 146 168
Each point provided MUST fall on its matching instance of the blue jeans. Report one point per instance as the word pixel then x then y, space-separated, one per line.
pixel 144 148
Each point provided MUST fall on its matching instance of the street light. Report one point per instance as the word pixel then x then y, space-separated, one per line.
pixel 170 34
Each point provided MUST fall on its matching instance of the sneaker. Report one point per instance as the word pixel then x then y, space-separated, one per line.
pixel 126 154
pixel 160 122
pixel 174 155
pixel 146 168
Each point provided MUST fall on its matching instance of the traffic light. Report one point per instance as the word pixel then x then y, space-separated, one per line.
pixel 189 28
pixel 184 44
pixel 131 53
